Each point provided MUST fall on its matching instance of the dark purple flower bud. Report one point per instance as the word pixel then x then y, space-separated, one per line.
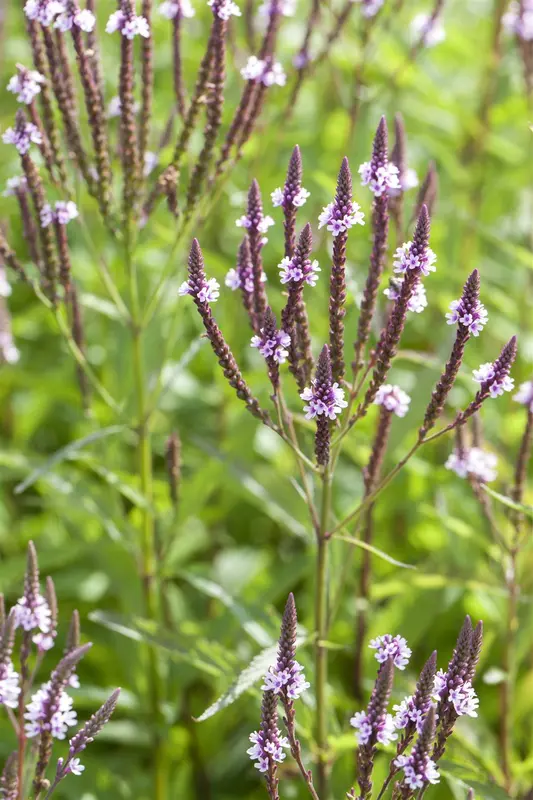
pixel 88 732
pixel 286 679
pixel 291 198
pixel 199 288
pixel 494 379
pixel 379 174
pixel 412 711
pixel 374 726
pixel 242 277
pixel 73 635
pixel 272 344
pixel 470 315
pixel 325 401
pixel 418 767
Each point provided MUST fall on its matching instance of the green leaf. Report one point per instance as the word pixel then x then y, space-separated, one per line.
pixel 506 501
pixel 206 656
pixel 375 550
pixel 244 681
pixel 253 628
pixel 65 453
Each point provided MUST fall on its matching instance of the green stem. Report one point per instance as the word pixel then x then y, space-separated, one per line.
pixel 321 624
pixel 148 543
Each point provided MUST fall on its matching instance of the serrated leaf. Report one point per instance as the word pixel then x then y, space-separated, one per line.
pixel 65 453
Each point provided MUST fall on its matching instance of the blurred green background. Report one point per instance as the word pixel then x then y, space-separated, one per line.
pixel 241 540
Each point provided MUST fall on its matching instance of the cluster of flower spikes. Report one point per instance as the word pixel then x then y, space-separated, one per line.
pixel 49 713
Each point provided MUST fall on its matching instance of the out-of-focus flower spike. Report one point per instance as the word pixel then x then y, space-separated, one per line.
pixel 412 711
pixel 73 636
pixel 337 286
pixel 9 257
pixel 268 744
pixel 475 651
pixel 128 119
pixel 88 732
pixel 147 80
pixel 272 345
pixel 494 379
pixel 2 611
pixel 524 396
pixel 215 102
pixel 9 783
pixel 428 192
pixel 256 227
pixel 78 334
pixel 173 462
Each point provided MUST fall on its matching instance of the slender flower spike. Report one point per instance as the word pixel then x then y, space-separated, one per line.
pixel 224 9
pixel 9 784
pixel 397 402
pixel 268 743
pixel 292 195
pixel 14 186
pixel 406 258
pixel 472 316
pixel 418 300
pixel 394 647
pixel 325 399
pixel 379 174
pixel 63 213
pixel 22 136
pixel 473 462
pixel 272 344
pixel 32 610
pixel 264 71
pixel 128 24
pixel 26 84
pixel 43 11
pixel 200 289
pixel 79 18
pixel 341 218
pixel 282 197
pixel 172 9
pixel 286 678
pixel 524 395
pixel 54 714
pixel 207 291
pixel 418 768
pixel 298 271
pixel 92 728
pixel 412 711
pixel 490 379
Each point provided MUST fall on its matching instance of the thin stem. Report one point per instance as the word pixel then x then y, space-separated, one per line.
pixel 296 752
pixel 292 440
pixel 321 626
pixel 148 541
pixel 509 665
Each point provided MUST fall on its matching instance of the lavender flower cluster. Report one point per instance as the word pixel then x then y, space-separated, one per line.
pixel 49 714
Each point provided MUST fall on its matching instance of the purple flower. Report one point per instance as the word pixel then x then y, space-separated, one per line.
pixel 275 347
pixel 379 178
pixel 208 292
pixel 417 774
pixel 474 317
pixel 43 11
pixel 129 25
pixel 408 712
pixel 33 612
pixel 264 71
pixel 430 31
pixel 171 8
pixel 224 9
pixel 22 135
pixel 369 8
pixel 487 377
pixel 284 197
pixel 292 269
pixel 418 300
pixel 519 19
pixel 82 19
pixel 524 394
pixel 408 180
pixel 462 696
pixel 383 732
pixel 15 185
pixel 64 212
pixel 292 680
pixel 9 685
pixel 75 767
pixel 26 84
pixel 40 716
pixel 340 219
pixel 264 750
pixel 475 462
pixel 325 401
pixel 262 226
pixel 389 646
pixel 405 259
pixel 396 400
pixel 286 8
